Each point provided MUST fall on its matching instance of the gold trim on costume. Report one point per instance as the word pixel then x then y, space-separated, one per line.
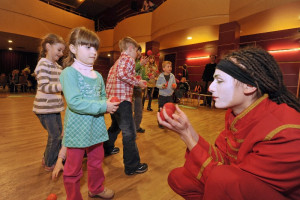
pixel 278 129
pixel 231 147
pixel 208 160
pixel 216 153
pixel 246 111
pixel 232 156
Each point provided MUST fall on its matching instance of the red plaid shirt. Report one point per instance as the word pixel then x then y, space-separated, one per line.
pixel 121 78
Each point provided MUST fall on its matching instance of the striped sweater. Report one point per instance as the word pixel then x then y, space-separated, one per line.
pixel 48 98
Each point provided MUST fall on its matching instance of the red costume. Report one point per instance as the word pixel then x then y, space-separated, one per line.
pixel 257 156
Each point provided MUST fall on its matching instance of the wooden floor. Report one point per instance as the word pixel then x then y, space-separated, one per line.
pixel 23 140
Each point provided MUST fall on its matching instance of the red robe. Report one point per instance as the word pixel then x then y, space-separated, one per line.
pixel 263 140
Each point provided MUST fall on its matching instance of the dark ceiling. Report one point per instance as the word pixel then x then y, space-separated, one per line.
pixel 105 13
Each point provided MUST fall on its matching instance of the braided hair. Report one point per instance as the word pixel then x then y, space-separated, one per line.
pixel 264 70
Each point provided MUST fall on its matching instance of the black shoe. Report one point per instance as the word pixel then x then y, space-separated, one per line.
pixel 150 109
pixel 114 151
pixel 140 130
pixel 141 168
pixel 161 126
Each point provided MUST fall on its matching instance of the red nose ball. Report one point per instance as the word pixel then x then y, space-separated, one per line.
pixel 114 99
pixel 52 197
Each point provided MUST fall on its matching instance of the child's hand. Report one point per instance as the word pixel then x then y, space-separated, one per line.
pixel 112 107
pixel 58 167
pixel 144 60
pixel 143 84
pixel 164 86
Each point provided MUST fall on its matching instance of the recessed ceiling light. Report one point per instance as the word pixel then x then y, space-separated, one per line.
pixel 10 49
pixel 108 55
pixel 189 38
pixel 10 41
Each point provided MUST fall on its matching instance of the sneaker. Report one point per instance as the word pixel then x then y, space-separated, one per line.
pixel 141 168
pixel 114 151
pixel 140 130
pixel 150 109
pixel 105 194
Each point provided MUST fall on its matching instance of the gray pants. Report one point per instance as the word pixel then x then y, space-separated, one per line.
pixel 137 106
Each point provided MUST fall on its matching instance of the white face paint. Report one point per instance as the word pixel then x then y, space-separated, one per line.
pixel 228 92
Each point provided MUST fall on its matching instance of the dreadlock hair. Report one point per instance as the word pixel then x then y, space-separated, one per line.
pixel 264 70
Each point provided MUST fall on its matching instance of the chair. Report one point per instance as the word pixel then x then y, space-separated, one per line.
pixel 22 83
pixel 3 82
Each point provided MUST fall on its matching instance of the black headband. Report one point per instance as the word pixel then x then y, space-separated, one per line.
pixel 236 72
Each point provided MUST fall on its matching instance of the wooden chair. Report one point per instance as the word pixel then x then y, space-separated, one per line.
pixel 3 82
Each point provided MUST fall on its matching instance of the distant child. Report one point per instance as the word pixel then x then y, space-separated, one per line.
pixel 84 126
pixel 152 73
pixel 183 88
pixel 120 82
pixel 140 62
pixel 166 84
pixel 48 102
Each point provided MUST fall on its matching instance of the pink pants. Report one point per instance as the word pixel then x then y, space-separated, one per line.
pixel 225 182
pixel 73 170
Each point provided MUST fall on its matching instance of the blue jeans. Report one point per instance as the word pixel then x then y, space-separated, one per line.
pixel 122 119
pixel 52 123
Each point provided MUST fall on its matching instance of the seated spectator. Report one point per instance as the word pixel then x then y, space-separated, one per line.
pixel 183 88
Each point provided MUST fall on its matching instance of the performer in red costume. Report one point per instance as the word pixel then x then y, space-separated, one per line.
pixel 257 156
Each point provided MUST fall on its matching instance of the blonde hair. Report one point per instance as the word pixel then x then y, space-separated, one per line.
pixel 165 63
pixel 50 39
pixel 81 36
pixel 125 42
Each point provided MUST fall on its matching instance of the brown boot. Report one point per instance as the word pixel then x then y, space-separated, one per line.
pixel 105 194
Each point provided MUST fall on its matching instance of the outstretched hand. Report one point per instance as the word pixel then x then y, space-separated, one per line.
pixel 181 125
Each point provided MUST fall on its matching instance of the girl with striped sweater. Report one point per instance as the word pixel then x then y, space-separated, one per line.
pixel 48 102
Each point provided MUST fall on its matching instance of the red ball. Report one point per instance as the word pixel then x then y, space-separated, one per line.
pixel 158 54
pixel 168 111
pixel 52 197
pixel 149 52
pixel 145 83
pixel 138 77
pixel 170 106
pixel 150 74
pixel 114 99
pixel 174 85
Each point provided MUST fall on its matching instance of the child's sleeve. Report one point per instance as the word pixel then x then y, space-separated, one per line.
pixel 43 76
pixel 126 72
pixel 159 82
pixel 74 98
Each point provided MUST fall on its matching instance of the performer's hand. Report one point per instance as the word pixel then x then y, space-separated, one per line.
pixel 112 106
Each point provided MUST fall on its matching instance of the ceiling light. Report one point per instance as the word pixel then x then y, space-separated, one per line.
pixel 108 55
pixel 10 41
pixel 10 49
pixel 189 38
pixel 198 57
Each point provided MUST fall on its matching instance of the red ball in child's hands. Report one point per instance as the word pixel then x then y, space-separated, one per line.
pixel 145 83
pixel 150 74
pixel 138 77
pixel 170 106
pixel 157 71
pixel 174 85
pixel 114 99
pixel 52 197
pixel 149 52
pixel 158 54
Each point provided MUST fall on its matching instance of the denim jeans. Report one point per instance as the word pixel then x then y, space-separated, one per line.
pixel 52 123
pixel 149 94
pixel 138 107
pixel 122 119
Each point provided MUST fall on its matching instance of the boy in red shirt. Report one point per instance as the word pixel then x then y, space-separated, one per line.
pixel 120 82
